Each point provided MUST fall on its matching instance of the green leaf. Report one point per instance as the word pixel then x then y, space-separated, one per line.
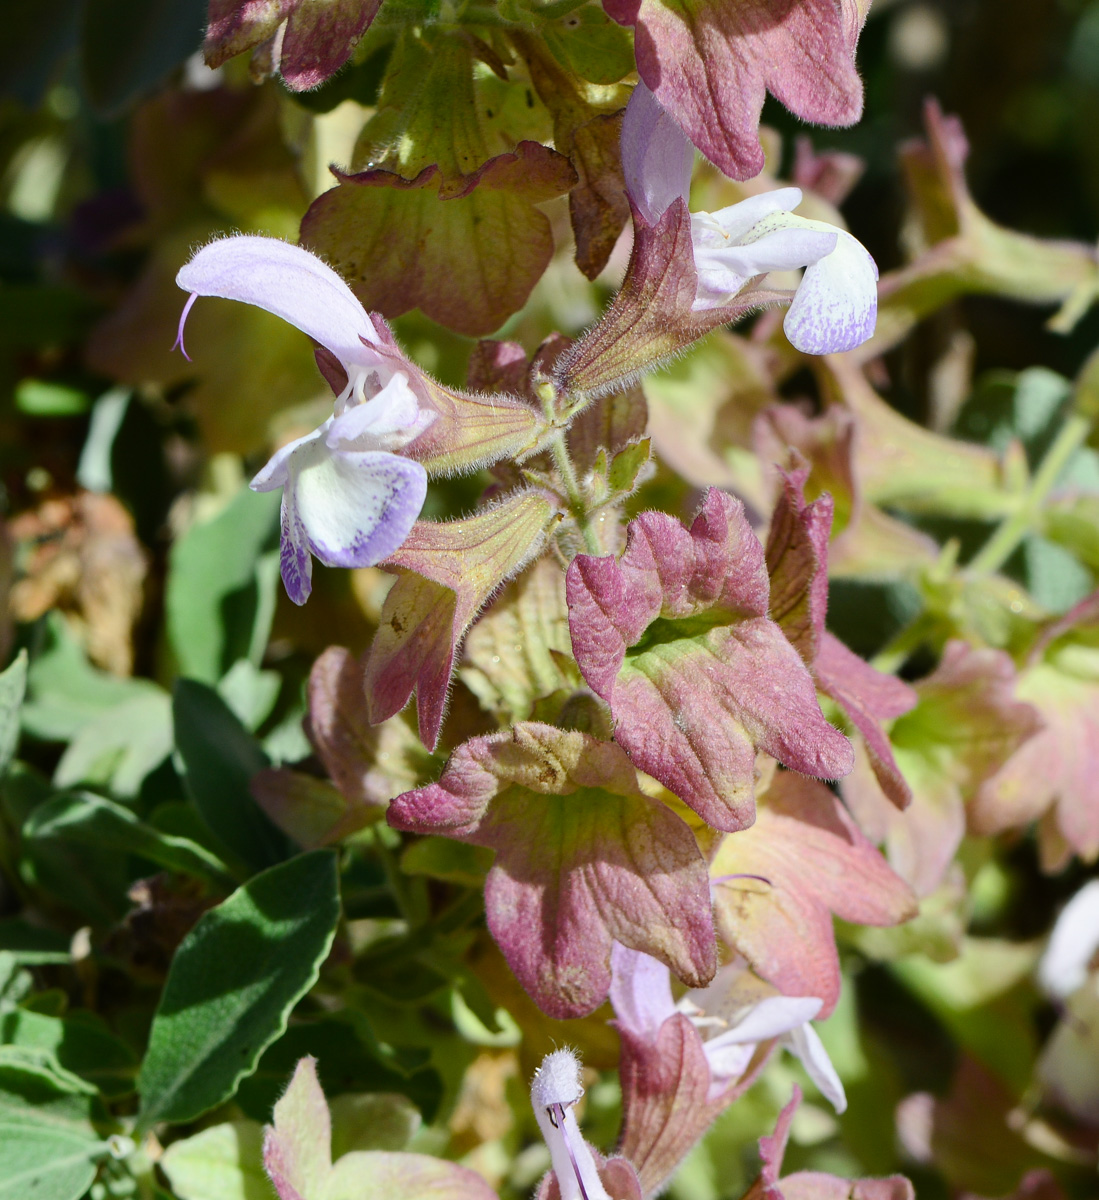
pixel 15 983
pixel 590 44
pixel 89 820
pixel 40 398
pixel 220 595
pixel 65 691
pixel 439 219
pixel 232 985
pixel 224 1162
pixel 220 758
pixel 444 858
pixel 250 692
pixel 31 945
pixel 371 1121
pixel 13 686
pixel 626 466
pixel 82 1044
pixel 1054 576
pixel 48 1140
pixel 93 880
pixel 46 1164
pixel 349 1059
pixel 121 747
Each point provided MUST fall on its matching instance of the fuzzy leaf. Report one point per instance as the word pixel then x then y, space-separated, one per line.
pixel 317 40
pixel 964 252
pixel 865 542
pixel 48 1142
pixel 370 764
pixel 309 810
pixel 223 1162
pixel 710 63
pixel 232 985
pixel 13 686
pixel 81 1043
pixel 446 573
pixel 517 653
pixel 83 819
pixel 901 464
pixel 439 220
pixel 967 724
pixel 297 1155
pixel 666 1097
pixel 219 760
pixel 1054 773
pixel 583 858
pixel 587 124
pixel 816 862
pixel 489 243
pixel 797 560
pixel 814 1185
pixel 674 636
pixel 219 601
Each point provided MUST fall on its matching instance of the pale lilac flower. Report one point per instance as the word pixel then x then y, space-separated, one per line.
pixel 835 304
pixel 347 497
pixel 554 1090
pixel 730 1029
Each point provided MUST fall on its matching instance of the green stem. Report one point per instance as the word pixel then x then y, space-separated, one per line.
pixel 999 547
pixel 577 506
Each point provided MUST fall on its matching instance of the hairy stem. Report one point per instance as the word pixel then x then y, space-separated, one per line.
pixel 999 547
pixel 577 505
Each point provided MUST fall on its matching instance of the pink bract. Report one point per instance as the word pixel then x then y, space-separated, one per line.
pixel 675 637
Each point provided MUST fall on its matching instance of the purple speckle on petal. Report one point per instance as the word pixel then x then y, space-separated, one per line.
pixel 295 564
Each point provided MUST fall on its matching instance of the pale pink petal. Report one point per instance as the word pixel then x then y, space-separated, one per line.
pixel 641 991
pixel 657 157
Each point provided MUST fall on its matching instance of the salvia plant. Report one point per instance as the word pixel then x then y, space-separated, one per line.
pixel 566 680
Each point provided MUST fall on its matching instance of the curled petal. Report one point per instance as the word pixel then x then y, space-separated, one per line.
pixel 737 221
pixel 657 157
pixel 723 270
pixel 641 991
pixel 772 1016
pixel 290 282
pixel 836 306
pixel 804 1041
pixel 275 473
pixel 388 421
